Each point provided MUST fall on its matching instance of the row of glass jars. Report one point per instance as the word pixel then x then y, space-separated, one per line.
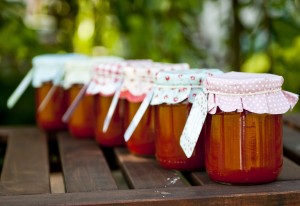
pixel 237 117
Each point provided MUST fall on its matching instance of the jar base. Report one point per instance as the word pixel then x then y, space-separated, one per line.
pixel 141 150
pixel 81 133
pixel 253 177
pixel 181 165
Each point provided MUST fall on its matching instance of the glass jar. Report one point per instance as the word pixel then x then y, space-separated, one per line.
pixel 137 84
pixel 113 137
pixel 244 133
pixel 81 122
pixel 173 97
pixel 244 147
pixel 106 80
pixel 50 117
pixel 169 123
pixel 142 140
pixel 80 115
pixel 48 70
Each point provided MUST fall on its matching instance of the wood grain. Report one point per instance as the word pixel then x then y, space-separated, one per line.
pixel 26 168
pixel 144 172
pixel 201 178
pixel 276 193
pixel 290 171
pixel 84 166
pixel 88 179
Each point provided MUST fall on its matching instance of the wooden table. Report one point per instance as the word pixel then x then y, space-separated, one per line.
pixel 93 176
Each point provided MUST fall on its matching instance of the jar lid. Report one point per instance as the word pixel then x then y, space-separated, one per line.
pixel 173 87
pixel 138 80
pixel 257 93
pixel 79 71
pixel 48 67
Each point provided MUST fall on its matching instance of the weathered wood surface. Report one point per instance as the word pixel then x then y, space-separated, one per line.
pixel 145 173
pixel 84 166
pixel 88 179
pixel 26 168
pixel 276 193
pixel 291 144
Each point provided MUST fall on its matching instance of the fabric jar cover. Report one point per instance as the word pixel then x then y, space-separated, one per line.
pixel 257 93
pixel 79 71
pixel 106 77
pixel 172 87
pixel 47 67
pixel 138 79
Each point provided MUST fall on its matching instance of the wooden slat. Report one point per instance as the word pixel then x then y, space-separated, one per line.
pixel 291 144
pixel 292 120
pixel 277 193
pixel 84 166
pixel 142 172
pixel 201 178
pixel 290 171
pixel 26 167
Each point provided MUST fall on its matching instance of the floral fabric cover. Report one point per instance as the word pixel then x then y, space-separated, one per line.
pixel 49 67
pixel 139 79
pixel 79 71
pixel 172 87
pixel 257 93
pixel 107 77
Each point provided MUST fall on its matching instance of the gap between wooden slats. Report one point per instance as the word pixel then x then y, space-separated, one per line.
pixel 144 172
pixel 84 166
pixel 26 168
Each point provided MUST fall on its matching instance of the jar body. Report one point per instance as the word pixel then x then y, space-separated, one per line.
pixel 244 148
pixel 81 123
pixel 142 139
pixel 114 136
pixel 50 118
pixel 169 124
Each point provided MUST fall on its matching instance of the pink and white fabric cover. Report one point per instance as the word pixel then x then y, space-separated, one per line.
pixel 138 80
pixel 107 77
pixel 173 87
pixel 257 93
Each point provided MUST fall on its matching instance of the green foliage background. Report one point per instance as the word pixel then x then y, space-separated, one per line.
pixel 163 30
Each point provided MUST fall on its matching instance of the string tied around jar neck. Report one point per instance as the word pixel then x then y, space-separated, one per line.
pixel 246 94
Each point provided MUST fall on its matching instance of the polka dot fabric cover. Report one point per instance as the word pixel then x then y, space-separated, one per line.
pixel 138 80
pixel 172 87
pixel 257 93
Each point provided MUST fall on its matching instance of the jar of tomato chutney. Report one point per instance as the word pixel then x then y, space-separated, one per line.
pixel 76 79
pixel 138 83
pixel 106 79
pixel 51 98
pixel 244 134
pixel 174 94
